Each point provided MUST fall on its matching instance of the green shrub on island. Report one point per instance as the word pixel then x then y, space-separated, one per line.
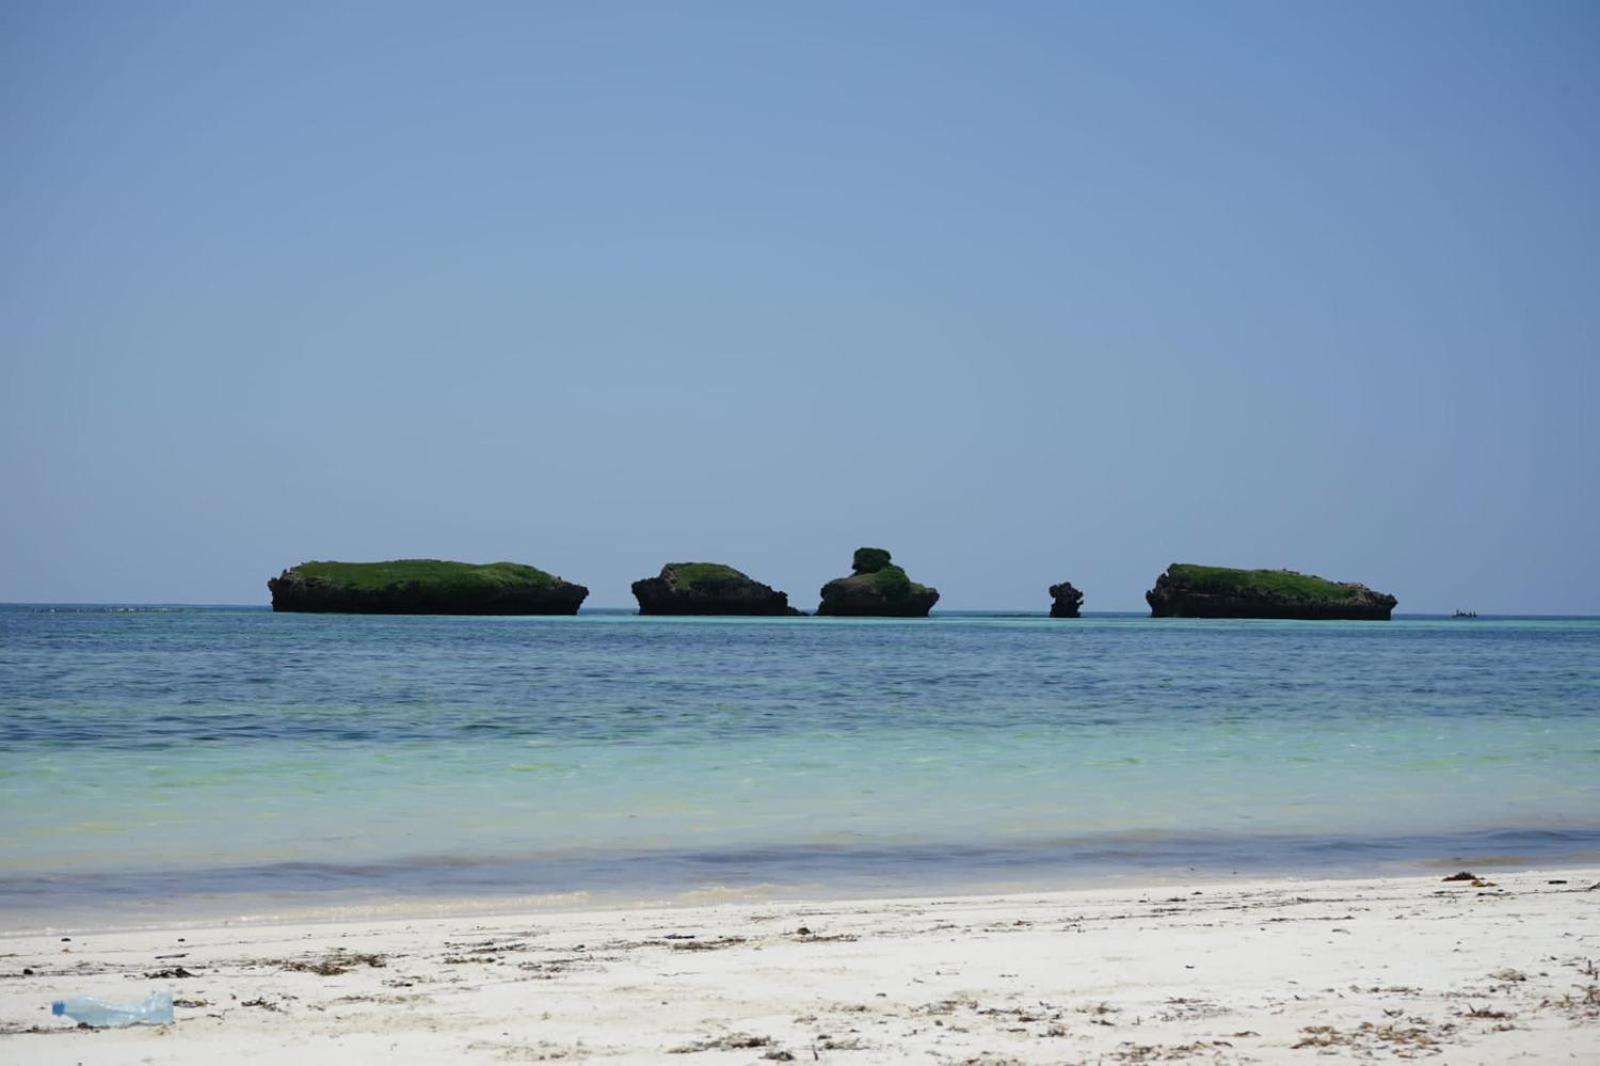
pixel 1190 591
pixel 891 581
pixel 423 586
pixel 869 560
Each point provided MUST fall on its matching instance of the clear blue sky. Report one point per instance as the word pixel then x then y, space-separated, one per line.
pixel 1023 292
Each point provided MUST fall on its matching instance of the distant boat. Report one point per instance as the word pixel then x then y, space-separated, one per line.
pixel 1465 614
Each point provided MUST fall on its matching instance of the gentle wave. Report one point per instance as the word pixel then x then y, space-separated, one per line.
pixel 777 871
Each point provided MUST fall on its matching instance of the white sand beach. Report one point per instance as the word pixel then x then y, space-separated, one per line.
pixel 1502 971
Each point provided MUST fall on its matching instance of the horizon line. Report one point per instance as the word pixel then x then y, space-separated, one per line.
pixel 1043 612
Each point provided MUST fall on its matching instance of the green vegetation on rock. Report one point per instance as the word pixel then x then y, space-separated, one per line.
pixel 436 573
pixel 1223 580
pixel 891 581
pixel 870 561
pixel 687 576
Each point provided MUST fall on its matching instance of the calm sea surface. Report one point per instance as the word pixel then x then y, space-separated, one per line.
pixel 160 761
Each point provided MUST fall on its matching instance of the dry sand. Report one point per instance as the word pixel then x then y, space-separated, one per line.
pixel 1285 971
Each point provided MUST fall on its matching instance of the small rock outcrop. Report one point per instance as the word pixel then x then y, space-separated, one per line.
pixel 1189 591
pixel 877 589
pixel 708 588
pixel 423 586
pixel 1066 600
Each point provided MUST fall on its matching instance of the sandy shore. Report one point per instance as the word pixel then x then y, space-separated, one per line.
pixel 1285 971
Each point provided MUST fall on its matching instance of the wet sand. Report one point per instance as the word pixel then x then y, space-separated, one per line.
pixel 1498 971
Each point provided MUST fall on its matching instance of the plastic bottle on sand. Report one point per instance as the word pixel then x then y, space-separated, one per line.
pixel 97 1013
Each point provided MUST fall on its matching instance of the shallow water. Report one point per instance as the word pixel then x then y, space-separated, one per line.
pixel 157 755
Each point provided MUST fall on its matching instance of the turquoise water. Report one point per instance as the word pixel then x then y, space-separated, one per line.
pixel 161 754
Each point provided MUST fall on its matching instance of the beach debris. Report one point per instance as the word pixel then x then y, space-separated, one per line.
pixel 708 945
pixel 1556 881
pixel 487 947
pixel 807 936
pixel 1464 875
pixel 1186 1009
pixel 1130 1052
pixel 173 973
pixel 1585 1003
pixel 549 969
pixel 1368 1037
pixel 341 961
pixel 839 1043
pixel 731 1042
pixel 947 1006
pixel 98 1014
pixel 263 1003
pixel 1487 1012
pixel 1320 1036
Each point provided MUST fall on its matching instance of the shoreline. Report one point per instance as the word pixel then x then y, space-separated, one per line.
pixel 134 899
pixel 1247 970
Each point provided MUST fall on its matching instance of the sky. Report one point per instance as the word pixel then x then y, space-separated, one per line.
pixel 1022 292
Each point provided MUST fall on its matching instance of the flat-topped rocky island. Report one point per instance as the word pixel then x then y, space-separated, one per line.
pixel 1190 591
pixel 708 589
pixel 423 586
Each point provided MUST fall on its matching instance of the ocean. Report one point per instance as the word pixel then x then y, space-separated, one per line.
pixel 163 763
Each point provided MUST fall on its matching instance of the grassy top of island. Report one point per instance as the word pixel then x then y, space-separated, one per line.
pixel 891 580
pixel 1224 580
pixel 686 576
pixel 436 573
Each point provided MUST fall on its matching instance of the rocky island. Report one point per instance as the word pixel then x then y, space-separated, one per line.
pixel 708 588
pixel 423 586
pixel 877 589
pixel 1188 591
pixel 1066 599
